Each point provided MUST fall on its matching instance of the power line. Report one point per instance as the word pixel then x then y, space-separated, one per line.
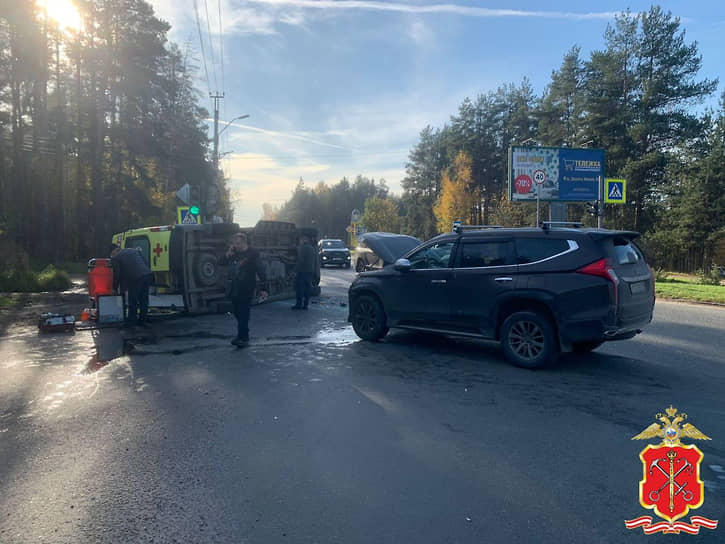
pixel 201 42
pixel 315 156
pixel 221 42
pixel 211 46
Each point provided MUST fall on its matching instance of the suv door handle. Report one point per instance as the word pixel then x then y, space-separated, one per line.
pixel 503 279
pixel 438 281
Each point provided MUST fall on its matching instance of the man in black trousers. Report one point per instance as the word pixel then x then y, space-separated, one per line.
pixel 245 266
pixel 306 256
pixel 132 275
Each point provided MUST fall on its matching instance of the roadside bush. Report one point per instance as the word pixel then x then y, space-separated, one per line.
pixel 708 277
pixel 52 279
pixel 662 275
pixel 20 281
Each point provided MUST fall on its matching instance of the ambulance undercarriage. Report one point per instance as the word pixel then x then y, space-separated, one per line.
pixel 185 261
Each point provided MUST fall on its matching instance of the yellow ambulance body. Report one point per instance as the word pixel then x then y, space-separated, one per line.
pixel 154 243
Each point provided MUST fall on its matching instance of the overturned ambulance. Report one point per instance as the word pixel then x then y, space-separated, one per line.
pixel 184 260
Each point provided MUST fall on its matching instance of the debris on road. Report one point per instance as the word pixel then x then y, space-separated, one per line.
pixel 50 322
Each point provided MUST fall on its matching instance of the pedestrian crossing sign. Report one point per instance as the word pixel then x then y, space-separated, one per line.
pixel 184 216
pixel 615 191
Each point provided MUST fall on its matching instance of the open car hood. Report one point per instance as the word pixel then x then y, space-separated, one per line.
pixel 388 246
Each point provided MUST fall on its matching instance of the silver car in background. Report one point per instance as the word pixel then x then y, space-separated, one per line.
pixel 379 249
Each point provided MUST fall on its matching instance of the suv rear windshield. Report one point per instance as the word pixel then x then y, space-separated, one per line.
pixel 626 252
pixel 530 250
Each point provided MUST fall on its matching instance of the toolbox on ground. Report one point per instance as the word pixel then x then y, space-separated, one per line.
pixel 50 322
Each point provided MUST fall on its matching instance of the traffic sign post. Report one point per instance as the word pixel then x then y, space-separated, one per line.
pixel 600 202
pixel 539 179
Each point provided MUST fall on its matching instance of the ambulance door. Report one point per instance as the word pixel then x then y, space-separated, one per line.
pixel 141 243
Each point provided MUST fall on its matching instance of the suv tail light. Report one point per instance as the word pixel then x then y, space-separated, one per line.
pixel 603 268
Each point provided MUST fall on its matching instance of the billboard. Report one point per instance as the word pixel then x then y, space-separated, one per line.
pixel 555 173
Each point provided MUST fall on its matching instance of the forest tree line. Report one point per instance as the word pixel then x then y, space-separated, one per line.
pixel 640 98
pixel 99 126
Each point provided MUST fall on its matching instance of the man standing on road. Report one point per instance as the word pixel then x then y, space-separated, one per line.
pixel 133 276
pixel 306 256
pixel 245 266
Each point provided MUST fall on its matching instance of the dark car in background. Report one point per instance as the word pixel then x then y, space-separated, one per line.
pixel 333 251
pixel 379 249
pixel 539 291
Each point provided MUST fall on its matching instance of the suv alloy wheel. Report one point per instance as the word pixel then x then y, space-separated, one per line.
pixel 368 318
pixel 528 339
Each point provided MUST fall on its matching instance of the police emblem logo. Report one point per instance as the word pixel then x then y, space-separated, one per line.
pixel 671 484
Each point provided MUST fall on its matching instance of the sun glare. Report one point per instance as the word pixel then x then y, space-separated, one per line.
pixel 63 12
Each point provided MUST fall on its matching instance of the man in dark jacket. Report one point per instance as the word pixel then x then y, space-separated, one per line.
pixel 133 276
pixel 244 268
pixel 306 256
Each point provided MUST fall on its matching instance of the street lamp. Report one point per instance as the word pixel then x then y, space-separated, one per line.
pixel 235 119
pixel 215 157
pixel 217 132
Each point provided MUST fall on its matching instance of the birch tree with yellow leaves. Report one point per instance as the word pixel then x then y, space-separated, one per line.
pixel 459 198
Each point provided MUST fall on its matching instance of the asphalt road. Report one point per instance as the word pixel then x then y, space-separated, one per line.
pixel 310 435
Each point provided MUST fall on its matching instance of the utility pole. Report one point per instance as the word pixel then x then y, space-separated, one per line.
pixel 600 207
pixel 206 212
pixel 216 98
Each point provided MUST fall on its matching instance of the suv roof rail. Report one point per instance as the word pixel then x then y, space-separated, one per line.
pixel 460 228
pixel 546 225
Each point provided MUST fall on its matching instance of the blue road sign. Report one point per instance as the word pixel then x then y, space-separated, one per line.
pixel 186 217
pixel 615 191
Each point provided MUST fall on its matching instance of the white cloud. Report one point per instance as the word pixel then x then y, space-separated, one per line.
pixel 263 16
pixel 452 9
pixel 256 178
pixel 371 138
pixel 301 136
pixel 419 33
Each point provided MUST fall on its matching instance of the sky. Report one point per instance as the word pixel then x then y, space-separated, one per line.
pixel 339 88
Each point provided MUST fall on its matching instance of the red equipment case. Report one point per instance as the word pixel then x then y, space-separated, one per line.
pixel 100 277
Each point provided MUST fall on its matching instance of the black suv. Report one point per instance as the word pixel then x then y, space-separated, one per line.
pixel 333 251
pixel 539 291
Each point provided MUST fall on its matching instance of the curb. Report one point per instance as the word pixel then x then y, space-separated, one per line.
pixel 688 301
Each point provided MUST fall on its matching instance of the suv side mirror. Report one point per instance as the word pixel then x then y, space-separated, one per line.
pixel 402 265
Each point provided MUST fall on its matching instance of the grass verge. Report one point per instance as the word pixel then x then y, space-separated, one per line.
pixel 690 291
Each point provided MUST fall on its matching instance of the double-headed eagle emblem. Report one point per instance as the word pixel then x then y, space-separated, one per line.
pixel 670 430
pixel 671 484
